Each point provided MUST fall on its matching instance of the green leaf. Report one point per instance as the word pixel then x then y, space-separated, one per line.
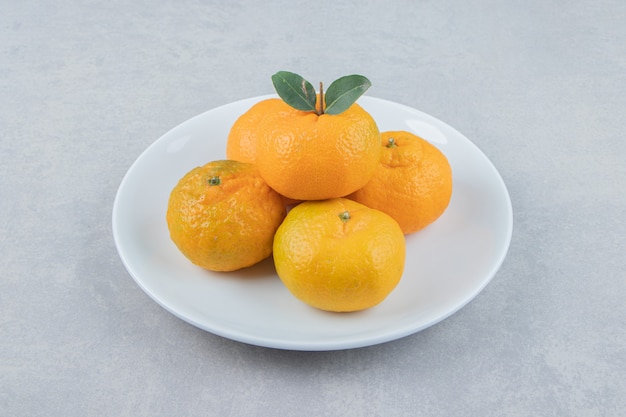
pixel 343 92
pixel 295 90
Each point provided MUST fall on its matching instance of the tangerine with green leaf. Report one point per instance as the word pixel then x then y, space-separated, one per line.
pixel 315 146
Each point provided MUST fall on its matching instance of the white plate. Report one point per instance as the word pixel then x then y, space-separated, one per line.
pixel 448 263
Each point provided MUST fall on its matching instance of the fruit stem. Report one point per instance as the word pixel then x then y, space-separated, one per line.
pixel 321 103
pixel 215 181
pixel 345 216
pixel 392 143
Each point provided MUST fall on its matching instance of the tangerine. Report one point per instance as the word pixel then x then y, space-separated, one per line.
pixel 339 255
pixel 412 184
pixel 309 156
pixel 222 216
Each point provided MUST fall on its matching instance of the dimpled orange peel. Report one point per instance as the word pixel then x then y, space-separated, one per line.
pixel 339 255
pixel 223 216
pixel 413 182
pixel 316 146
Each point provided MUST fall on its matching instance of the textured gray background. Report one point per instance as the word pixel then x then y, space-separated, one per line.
pixel 86 86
